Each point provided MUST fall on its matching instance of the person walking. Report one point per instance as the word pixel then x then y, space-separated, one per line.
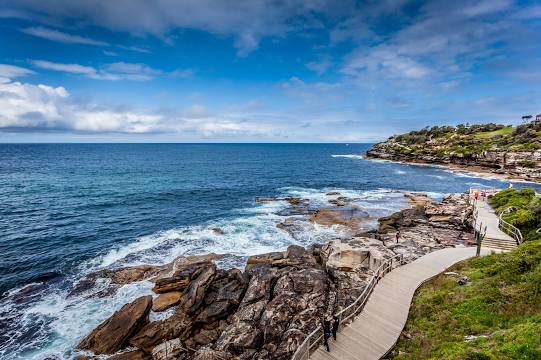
pixel 335 324
pixel 397 235
pixel 326 333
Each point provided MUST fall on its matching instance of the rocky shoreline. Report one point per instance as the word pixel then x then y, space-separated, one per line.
pixel 266 311
pixel 518 166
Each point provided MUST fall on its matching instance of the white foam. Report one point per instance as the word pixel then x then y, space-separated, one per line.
pixel 349 156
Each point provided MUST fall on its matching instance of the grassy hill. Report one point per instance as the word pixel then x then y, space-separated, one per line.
pixel 507 150
pixel 496 316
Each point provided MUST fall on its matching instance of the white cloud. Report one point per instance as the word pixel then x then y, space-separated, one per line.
pixel 55 35
pixel 11 71
pixel 113 72
pixel 70 68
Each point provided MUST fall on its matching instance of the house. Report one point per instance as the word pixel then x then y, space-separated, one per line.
pixel 538 119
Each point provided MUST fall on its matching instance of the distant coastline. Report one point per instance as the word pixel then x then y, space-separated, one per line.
pixel 490 150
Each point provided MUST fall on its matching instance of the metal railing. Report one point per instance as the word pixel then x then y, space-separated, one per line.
pixel 347 315
pixel 509 229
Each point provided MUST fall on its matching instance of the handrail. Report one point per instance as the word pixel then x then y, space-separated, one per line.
pixel 313 340
pixel 508 228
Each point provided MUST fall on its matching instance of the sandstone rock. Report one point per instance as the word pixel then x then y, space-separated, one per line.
pixel 181 278
pixel 132 274
pixel 111 335
pixel 179 325
pixel 195 293
pixel 209 354
pixel 166 300
pixel 343 257
pixel 268 258
pixel 218 230
pixel 130 355
pixel 332 193
pixel 168 350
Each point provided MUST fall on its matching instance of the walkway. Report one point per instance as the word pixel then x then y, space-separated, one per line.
pixel 494 238
pixel 377 328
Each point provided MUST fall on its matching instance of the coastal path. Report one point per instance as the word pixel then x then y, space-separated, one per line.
pixel 499 235
pixel 376 329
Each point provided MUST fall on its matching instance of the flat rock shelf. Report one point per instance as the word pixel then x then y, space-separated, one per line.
pixel 377 328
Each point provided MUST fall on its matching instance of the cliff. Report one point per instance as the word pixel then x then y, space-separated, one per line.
pixel 506 150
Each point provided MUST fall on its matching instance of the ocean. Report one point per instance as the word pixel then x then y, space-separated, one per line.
pixel 67 210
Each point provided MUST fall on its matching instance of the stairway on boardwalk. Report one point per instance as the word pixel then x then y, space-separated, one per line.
pixel 376 329
pixel 494 237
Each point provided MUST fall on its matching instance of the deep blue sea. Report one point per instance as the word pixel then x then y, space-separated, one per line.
pixel 70 209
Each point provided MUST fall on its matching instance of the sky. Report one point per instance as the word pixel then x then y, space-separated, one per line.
pixel 262 70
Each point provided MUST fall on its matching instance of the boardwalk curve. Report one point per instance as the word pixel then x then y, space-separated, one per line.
pixel 376 329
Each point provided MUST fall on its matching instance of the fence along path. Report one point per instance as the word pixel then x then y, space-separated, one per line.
pixel 375 330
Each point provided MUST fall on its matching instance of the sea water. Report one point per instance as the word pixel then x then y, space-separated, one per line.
pixel 67 210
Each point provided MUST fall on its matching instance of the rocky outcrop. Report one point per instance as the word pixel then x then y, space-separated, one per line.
pixel 522 165
pixel 265 311
pixel 113 334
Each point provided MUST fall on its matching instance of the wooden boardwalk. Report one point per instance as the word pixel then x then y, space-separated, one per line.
pixel 377 328
pixel 494 238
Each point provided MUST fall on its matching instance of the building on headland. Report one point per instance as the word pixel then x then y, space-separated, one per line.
pixel 538 119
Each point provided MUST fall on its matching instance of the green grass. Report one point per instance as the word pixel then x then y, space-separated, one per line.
pixel 502 305
pixel 504 131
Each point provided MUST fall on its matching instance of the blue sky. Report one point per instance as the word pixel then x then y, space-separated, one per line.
pixel 262 70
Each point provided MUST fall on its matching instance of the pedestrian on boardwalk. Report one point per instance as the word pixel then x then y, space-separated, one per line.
pixel 326 333
pixel 335 324
pixel 397 235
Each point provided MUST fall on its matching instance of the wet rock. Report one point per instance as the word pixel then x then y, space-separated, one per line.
pixel 166 300
pixel 268 258
pixel 111 335
pixel 179 325
pixel 333 193
pixel 218 230
pixel 168 350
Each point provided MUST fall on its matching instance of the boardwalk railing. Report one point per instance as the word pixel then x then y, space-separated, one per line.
pixel 509 229
pixel 346 315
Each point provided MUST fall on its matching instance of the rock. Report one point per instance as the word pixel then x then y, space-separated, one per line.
pixel 112 334
pixel 261 282
pixel 181 278
pixel 195 293
pixel 223 296
pixel 209 354
pixel 166 300
pixel 340 201
pixel 179 325
pixel 343 257
pixel 218 230
pixel 333 193
pixel 168 350
pixel 128 275
pixel 130 355
pixel 268 258
pixel 239 337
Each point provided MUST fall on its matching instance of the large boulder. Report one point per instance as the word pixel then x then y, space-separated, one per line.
pixel 179 325
pixel 130 355
pixel 113 334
